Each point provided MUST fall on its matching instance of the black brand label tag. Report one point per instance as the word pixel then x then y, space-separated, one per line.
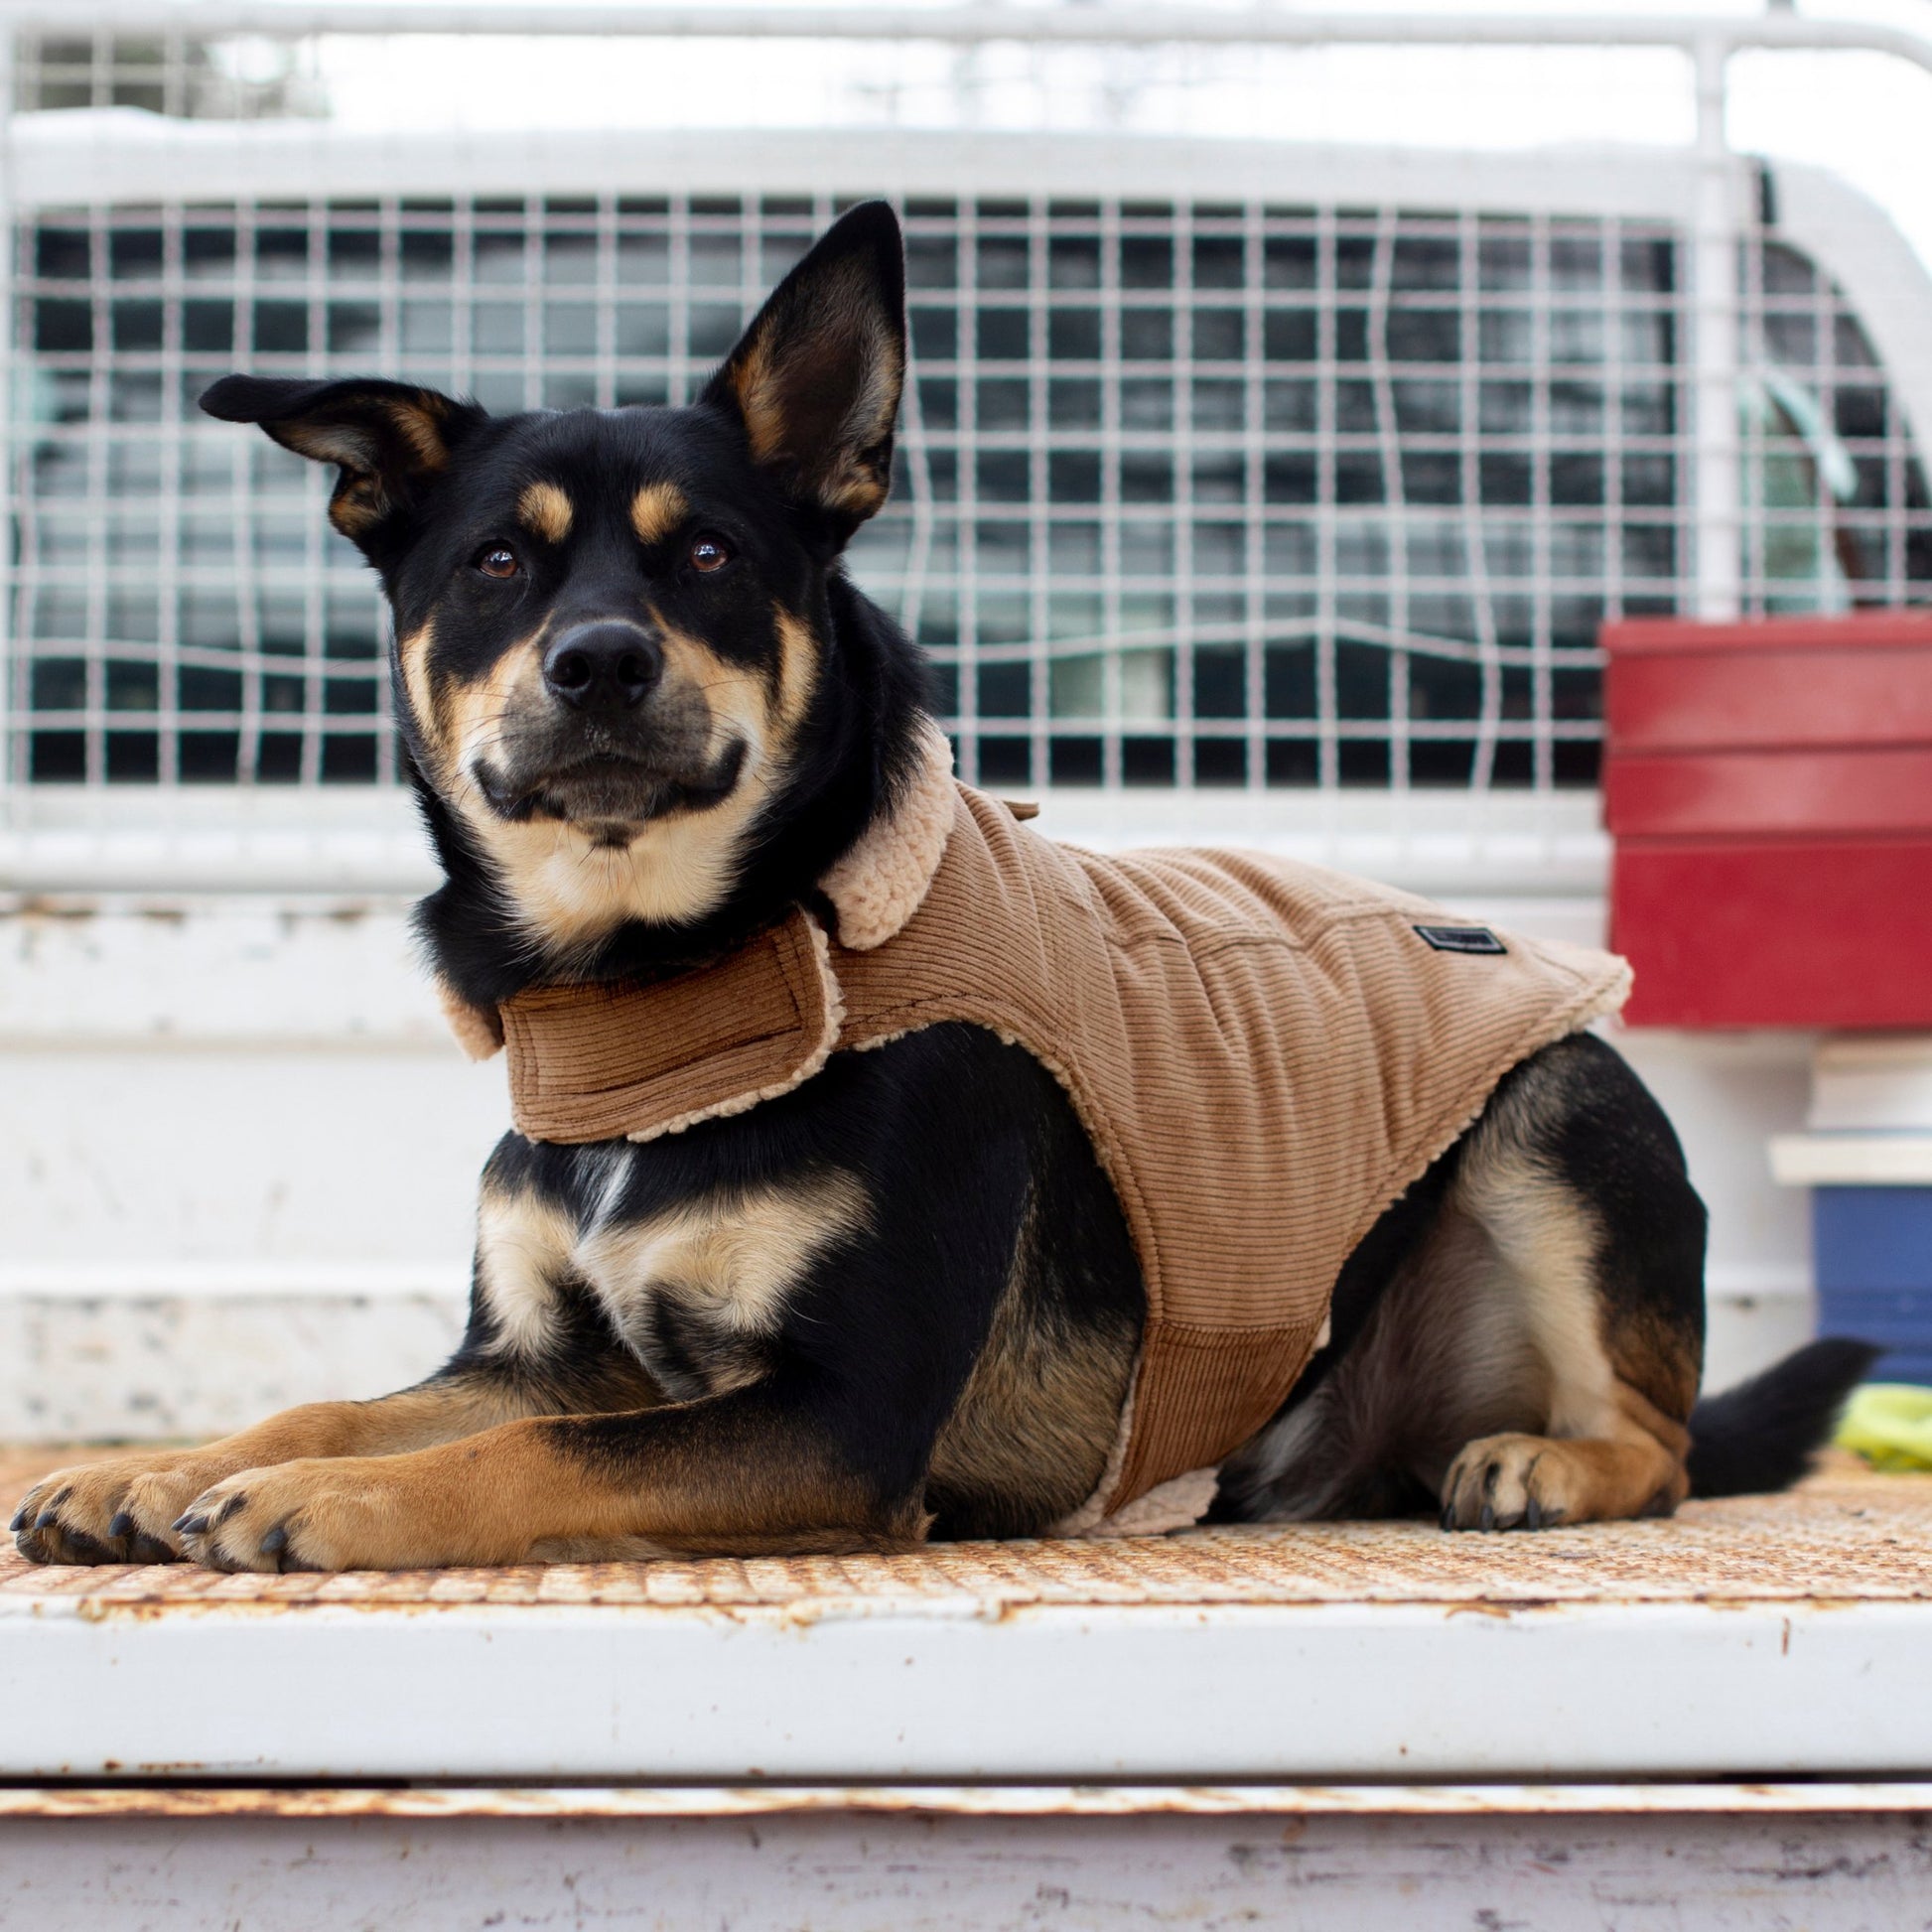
pixel 1461 938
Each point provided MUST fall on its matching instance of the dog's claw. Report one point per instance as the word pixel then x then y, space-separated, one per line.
pixel 1532 1515
pixel 20 1518
pixel 1448 1516
pixel 191 1525
pixel 1487 1520
pixel 274 1541
pixel 123 1524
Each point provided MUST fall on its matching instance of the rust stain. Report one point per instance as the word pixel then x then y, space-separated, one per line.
pixel 41 906
pixel 1295 1805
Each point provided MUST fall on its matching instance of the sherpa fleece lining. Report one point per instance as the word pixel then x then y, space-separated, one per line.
pixel 884 880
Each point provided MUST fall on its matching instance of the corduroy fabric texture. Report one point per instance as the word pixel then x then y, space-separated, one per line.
pixel 1265 1056
pixel 596 1062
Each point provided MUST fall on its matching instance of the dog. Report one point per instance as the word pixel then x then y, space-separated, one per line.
pixel 647 717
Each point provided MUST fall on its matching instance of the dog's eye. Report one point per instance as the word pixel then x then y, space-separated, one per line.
pixel 499 560
pixel 709 554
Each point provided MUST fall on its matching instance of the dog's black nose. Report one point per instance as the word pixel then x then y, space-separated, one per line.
pixel 608 666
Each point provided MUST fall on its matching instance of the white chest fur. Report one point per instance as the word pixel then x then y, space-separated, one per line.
pixel 717 1271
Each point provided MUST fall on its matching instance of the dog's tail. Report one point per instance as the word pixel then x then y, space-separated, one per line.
pixel 1761 1435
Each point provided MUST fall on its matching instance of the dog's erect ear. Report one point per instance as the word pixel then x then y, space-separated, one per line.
pixel 816 379
pixel 386 439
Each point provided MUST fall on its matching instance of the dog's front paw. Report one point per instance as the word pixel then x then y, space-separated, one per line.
pixel 118 1511
pixel 343 1513
pixel 292 1516
pixel 1507 1482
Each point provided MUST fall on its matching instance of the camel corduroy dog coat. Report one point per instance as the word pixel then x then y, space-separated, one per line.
pixel 1265 1055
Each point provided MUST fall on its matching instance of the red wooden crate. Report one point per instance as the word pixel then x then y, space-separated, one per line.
pixel 1769 788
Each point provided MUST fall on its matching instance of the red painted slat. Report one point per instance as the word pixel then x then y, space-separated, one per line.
pixel 1824 696
pixel 1770 794
pixel 1816 933
pixel 1770 787
pixel 1673 636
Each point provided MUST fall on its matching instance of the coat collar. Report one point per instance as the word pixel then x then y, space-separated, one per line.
pixel 874 889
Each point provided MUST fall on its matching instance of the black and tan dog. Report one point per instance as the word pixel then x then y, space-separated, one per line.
pixel 648 713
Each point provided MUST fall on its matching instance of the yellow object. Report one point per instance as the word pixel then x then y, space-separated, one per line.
pixel 1890 1424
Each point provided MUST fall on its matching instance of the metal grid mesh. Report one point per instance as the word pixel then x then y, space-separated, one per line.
pixel 1265 495
pixel 1836 511
pixel 1191 495
pixel 177 75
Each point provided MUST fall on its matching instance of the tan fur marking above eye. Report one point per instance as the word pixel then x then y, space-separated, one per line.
pixel 657 511
pixel 544 508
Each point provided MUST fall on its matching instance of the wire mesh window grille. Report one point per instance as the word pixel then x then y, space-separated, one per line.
pixel 1836 510
pixel 180 75
pixel 1188 494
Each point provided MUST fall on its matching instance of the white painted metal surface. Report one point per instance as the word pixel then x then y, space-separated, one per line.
pixel 956 1690
pixel 1870 1121
pixel 1749 1631
pixel 909 1871
pixel 245 855
pixel 1117 24
pixel 87 156
pixel 1852 1159
pixel 1716 345
pixel 1871 1083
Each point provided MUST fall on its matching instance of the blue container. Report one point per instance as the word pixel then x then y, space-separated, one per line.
pixel 1873 1248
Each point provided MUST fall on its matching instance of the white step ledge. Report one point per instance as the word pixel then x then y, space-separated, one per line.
pixel 1852 1159
pixel 951 1689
